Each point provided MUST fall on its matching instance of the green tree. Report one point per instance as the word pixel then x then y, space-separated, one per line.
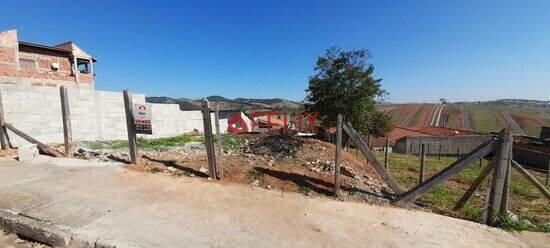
pixel 344 84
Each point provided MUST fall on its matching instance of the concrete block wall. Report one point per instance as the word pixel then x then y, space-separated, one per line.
pixel 95 115
pixel 168 119
pixel 111 117
pixel 449 145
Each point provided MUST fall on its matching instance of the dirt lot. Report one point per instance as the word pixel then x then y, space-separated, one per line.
pixel 305 165
pixel 283 163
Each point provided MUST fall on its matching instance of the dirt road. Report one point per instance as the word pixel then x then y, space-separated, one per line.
pixel 513 124
pixel 105 202
pixel 410 117
pixel 465 119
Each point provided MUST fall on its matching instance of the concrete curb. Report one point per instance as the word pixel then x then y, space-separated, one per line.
pixel 45 232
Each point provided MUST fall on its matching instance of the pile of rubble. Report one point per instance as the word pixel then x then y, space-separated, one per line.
pixel 102 155
pixel 276 146
pixel 325 166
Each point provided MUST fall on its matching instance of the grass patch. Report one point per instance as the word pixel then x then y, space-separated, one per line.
pixel 256 174
pixel 485 119
pixel 230 142
pixel 147 143
pixel 155 170
pixel 442 196
pixel 304 190
pixel 508 223
pixel 168 142
pixel 525 199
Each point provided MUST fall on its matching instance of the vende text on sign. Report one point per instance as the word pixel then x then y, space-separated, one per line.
pixel 142 118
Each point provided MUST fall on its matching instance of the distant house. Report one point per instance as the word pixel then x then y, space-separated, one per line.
pixel 439 140
pixel 27 64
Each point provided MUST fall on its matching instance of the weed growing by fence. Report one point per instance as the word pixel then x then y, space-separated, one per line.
pixel 304 190
pixel 256 174
pixel 510 223
pixel 155 170
pixel 229 141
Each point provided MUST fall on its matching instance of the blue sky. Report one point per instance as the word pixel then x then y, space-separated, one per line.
pixel 423 50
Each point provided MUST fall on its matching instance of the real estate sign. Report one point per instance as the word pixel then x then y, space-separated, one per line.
pixel 142 118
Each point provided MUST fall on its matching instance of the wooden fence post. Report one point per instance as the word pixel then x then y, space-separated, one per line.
pixel 499 177
pixel 506 187
pixel 548 172
pixel 484 173
pixel 131 127
pixel 386 153
pixel 439 152
pixel 66 114
pixel 422 163
pixel 532 179
pixel 428 154
pixel 356 137
pixel 338 158
pixel 3 132
pixel 208 140
pixel 449 171
pixel 218 142
pixel 41 146
pixel 369 142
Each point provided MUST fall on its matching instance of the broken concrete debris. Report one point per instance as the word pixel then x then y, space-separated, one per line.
pixel 27 152
pixel 277 146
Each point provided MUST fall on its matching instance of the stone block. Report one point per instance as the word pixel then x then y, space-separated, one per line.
pixel 27 152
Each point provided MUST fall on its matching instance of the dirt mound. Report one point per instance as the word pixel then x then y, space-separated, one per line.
pixel 275 146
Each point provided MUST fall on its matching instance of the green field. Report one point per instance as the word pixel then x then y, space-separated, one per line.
pixel 488 119
pixel 483 117
pixel 526 201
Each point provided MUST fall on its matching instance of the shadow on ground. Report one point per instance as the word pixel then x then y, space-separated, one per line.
pixel 171 163
pixel 317 185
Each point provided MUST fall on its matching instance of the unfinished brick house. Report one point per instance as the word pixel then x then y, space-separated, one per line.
pixel 33 65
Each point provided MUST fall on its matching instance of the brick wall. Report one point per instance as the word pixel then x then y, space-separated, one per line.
pixel 31 66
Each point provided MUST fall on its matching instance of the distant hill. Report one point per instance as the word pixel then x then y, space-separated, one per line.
pixel 229 104
pixel 526 116
pixel 511 103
